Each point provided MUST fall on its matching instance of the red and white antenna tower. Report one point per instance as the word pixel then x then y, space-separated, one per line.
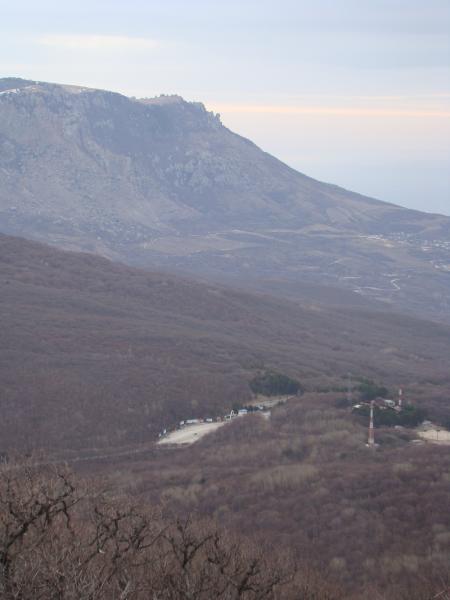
pixel 371 439
pixel 400 397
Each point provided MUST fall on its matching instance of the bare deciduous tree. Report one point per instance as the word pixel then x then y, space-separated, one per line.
pixel 61 540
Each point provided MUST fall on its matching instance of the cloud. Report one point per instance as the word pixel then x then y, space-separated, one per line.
pixel 97 42
pixel 348 111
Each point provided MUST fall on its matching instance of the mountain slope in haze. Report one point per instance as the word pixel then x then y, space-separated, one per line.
pixel 161 182
pixel 98 354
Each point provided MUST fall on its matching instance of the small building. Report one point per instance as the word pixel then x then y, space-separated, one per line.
pixel 242 412
pixel 389 403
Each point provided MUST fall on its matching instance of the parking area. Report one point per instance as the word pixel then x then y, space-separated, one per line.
pixel 190 433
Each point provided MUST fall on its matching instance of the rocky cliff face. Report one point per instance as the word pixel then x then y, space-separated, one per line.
pixel 161 182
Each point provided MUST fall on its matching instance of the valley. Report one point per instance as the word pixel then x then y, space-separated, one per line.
pixel 245 259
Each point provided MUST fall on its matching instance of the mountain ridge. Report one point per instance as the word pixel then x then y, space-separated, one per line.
pixel 161 183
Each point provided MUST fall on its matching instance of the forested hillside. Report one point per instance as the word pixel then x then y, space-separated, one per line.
pixel 99 354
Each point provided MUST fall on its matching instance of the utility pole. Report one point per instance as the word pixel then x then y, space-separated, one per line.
pixel 371 439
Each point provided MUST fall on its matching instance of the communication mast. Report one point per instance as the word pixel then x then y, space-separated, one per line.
pixel 400 397
pixel 371 439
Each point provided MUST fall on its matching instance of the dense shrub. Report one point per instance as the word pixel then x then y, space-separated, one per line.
pixel 271 383
pixel 369 390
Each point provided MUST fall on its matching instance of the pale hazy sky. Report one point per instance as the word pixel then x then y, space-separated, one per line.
pixel 355 92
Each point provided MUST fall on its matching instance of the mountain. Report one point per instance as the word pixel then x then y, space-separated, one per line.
pixel 162 183
pixel 98 354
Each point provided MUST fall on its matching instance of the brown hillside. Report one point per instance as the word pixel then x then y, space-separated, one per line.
pixel 99 354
